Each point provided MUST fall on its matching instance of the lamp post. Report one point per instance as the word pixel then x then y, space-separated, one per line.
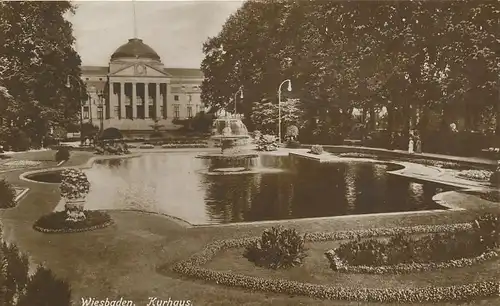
pixel 495 176
pixel 101 108
pixel 240 90
pixel 279 106
pixel 68 85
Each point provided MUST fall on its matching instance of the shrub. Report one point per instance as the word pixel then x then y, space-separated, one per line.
pixel 99 150
pixel 292 132
pixel 156 134
pixel 62 154
pixel 20 141
pixel 277 248
pixel 45 289
pixel 267 143
pixel 7 194
pixel 19 289
pixel 113 149
pixel 495 178
pixel 257 134
pixel 316 149
pixel 293 144
pixel 438 247
pixel 488 229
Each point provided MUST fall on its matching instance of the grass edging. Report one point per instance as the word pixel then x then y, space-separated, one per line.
pixel 192 268
pixel 340 265
pixel 358 155
pixel 66 229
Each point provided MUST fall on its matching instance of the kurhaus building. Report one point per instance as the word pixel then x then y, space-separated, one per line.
pixel 140 90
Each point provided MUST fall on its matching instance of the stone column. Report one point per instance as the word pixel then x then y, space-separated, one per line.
pixel 134 100
pixel 165 100
pixel 146 100
pixel 122 101
pixel 158 101
pixel 108 106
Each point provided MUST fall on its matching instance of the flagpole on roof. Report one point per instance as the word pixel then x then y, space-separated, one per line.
pixel 135 20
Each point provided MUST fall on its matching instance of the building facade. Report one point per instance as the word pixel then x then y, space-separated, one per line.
pixel 135 90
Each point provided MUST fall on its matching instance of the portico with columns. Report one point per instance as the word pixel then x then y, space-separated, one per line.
pixel 139 89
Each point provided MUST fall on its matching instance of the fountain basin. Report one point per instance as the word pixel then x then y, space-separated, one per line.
pixel 230 170
pixel 229 162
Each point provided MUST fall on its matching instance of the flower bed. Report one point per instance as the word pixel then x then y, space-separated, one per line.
pixel 476 175
pixel 403 254
pixel 184 145
pixel 57 222
pixel 74 185
pixel 192 267
pixel 340 265
pixel 20 163
pixel 358 155
pixel 146 146
pixel 437 163
pixel 402 249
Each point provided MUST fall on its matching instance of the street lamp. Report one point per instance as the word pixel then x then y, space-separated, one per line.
pixel 68 85
pixel 241 97
pixel 495 176
pixel 279 106
pixel 101 108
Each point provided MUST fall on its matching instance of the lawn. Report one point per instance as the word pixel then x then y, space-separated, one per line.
pixel 316 270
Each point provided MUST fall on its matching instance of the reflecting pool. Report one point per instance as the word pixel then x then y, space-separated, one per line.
pixel 179 185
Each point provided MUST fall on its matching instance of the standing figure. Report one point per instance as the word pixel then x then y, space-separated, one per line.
pixel 418 144
pixel 410 145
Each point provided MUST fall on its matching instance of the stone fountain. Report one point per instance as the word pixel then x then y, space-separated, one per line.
pixel 232 136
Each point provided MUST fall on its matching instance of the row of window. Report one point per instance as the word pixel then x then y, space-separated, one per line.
pixel 190 98
pixel 190 113
pixel 140 111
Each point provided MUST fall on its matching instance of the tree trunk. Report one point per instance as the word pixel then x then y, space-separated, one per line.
pixel 497 119
pixel 406 120
pixel 373 115
pixel 390 118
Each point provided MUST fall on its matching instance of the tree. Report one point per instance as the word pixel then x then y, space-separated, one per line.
pixel 89 130
pixel 412 57
pixel 265 115
pixel 36 56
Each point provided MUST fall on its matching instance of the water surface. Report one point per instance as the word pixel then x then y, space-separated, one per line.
pixel 177 184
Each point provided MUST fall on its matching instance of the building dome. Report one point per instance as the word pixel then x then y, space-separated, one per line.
pixel 135 48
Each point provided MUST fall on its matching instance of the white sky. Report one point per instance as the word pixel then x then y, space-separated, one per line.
pixel 176 30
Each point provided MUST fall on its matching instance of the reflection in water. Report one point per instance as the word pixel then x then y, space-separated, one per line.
pixel 175 184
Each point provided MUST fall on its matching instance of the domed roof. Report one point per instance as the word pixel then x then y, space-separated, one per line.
pixel 135 48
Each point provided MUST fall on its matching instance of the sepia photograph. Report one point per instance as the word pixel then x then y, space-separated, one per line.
pixel 250 152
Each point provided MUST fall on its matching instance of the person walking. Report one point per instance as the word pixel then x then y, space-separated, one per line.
pixel 418 144
pixel 411 144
